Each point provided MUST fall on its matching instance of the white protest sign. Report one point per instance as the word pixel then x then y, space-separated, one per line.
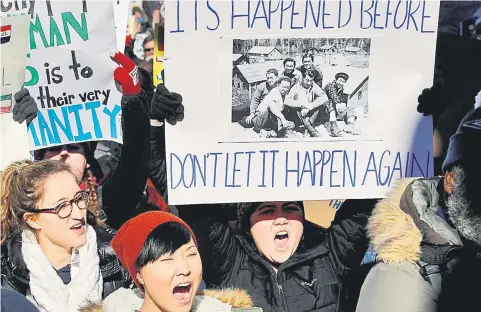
pixel 69 71
pixel 13 51
pixel 218 53
pixel 121 16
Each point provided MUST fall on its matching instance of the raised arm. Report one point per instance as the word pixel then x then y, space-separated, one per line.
pixel 165 105
pixel 125 186
pixel 219 250
pixel 124 189
pixel 347 237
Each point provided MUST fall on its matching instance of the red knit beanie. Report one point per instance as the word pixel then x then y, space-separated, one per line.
pixel 130 238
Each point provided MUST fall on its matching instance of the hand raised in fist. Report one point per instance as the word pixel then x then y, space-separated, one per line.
pixel 25 107
pixel 167 106
pixel 126 75
pixel 430 100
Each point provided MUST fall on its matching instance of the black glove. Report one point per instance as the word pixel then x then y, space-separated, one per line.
pixel 430 100
pixel 129 49
pixel 25 107
pixel 146 84
pixel 167 106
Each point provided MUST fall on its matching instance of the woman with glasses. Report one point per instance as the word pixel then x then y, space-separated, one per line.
pixel 122 191
pixel 54 250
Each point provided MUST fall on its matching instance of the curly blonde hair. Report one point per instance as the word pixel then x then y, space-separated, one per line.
pixel 22 187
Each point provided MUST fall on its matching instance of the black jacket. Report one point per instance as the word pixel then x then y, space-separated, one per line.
pixel 15 275
pixel 157 165
pixel 124 187
pixel 311 280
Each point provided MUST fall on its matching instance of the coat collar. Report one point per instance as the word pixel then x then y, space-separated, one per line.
pixel 207 301
pixel 309 248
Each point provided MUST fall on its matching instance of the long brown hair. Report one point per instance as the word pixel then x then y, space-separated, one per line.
pixel 94 202
pixel 21 186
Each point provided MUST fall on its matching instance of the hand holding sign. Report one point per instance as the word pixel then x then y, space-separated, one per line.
pixel 429 102
pixel 126 74
pixel 167 105
pixel 25 107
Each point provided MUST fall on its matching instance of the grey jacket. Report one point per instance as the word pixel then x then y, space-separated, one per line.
pixel 400 222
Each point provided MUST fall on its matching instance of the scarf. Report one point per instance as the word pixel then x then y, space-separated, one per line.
pixel 47 289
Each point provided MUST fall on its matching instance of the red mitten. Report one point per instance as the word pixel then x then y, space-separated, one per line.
pixel 126 74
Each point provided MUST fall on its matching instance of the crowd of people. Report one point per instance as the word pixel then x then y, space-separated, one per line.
pixel 77 239
pixel 87 227
pixel 294 98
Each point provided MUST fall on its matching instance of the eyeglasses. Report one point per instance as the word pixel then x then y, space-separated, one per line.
pixel 64 209
pixel 69 147
pixel 148 49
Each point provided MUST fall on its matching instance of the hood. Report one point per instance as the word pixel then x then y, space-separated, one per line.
pixel 224 300
pixel 392 233
pixel 411 213
pixel 237 298
pixel 121 300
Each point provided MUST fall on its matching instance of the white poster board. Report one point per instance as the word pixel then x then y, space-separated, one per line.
pixel 70 73
pixel 223 50
pixel 121 16
pixel 13 51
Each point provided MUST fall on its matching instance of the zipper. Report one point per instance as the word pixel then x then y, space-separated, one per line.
pixel 341 289
pixel 281 293
pixel 274 275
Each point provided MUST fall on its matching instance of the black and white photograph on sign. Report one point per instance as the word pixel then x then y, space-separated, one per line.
pixel 297 89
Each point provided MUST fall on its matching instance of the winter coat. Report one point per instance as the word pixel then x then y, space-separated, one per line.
pixel 312 279
pixel 123 189
pixel 127 300
pixel 403 228
pixel 13 301
pixel 15 274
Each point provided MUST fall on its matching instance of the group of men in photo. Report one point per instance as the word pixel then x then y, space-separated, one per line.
pixel 293 98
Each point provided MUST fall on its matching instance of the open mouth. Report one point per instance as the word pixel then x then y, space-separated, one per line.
pixel 182 293
pixel 281 239
pixel 78 227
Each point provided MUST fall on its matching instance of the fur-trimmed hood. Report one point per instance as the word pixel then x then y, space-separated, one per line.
pixel 407 217
pixel 226 300
pixel 392 233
